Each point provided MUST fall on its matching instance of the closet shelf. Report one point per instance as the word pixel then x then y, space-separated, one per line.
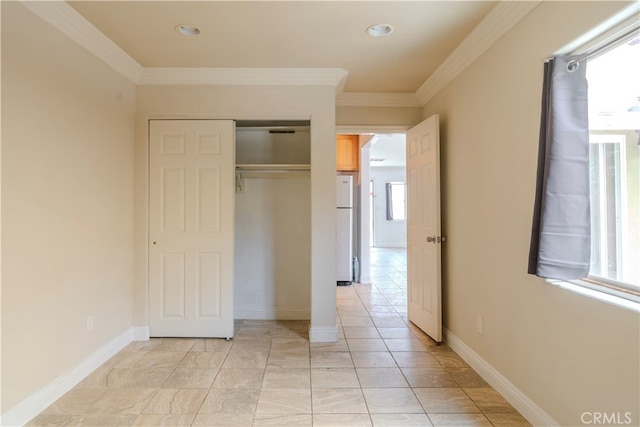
pixel 279 167
pixel 266 171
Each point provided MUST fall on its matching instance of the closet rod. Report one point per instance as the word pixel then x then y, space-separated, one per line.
pixel 273 167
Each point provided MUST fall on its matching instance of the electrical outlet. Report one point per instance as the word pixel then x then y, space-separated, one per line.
pixel 480 325
pixel 89 323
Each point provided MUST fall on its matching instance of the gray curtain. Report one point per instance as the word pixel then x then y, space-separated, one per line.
pixel 560 237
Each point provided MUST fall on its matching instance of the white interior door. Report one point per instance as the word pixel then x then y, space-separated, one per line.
pixel 423 228
pixel 191 236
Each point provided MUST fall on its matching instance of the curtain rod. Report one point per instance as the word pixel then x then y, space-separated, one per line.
pixel 574 64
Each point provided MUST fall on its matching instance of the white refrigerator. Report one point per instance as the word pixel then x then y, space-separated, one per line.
pixel 344 233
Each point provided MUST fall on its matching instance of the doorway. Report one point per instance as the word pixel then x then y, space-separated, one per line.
pixel 383 160
pixel 421 177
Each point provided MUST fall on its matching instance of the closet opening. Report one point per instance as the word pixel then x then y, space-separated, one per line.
pixel 272 276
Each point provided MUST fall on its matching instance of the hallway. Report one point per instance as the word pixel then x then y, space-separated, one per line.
pixel 382 372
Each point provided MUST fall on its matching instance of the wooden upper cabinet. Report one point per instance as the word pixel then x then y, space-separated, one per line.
pixel 347 152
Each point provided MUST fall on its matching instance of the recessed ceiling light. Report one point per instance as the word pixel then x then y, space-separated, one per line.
pixel 188 29
pixel 379 30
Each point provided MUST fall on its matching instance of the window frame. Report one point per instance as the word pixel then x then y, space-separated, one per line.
pixel 620 183
pixel 601 41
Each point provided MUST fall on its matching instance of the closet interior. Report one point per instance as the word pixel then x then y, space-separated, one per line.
pixel 272 220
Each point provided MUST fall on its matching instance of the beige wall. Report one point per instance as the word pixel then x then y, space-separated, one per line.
pixel 566 352
pixel 377 116
pixel 252 102
pixel 272 259
pixel 67 204
pixel 68 175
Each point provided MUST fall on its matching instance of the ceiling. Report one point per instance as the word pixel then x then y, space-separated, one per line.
pixel 388 149
pixel 293 34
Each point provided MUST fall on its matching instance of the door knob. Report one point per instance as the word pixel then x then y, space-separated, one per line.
pixel 431 239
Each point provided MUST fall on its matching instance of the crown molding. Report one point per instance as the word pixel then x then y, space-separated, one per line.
pixel 244 76
pixel 372 99
pixel 75 26
pixel 498 21
pixel 501 19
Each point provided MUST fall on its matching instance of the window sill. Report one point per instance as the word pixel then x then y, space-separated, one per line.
pixel 586 289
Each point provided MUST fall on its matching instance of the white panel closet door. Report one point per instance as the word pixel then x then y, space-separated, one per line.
pixel 423 228
pixel 191 234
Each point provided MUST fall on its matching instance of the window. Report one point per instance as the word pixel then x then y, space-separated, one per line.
pixel 614 168
pixel 396 201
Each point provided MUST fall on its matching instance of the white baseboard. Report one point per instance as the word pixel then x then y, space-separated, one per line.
pixel 279 313
pixel 527 408
pixel 39 401
pixel 323 334
pixel 140 333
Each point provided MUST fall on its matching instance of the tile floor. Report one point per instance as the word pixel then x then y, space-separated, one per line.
pixel 382 372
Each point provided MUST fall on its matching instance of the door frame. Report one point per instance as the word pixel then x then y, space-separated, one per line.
pixel 364 255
